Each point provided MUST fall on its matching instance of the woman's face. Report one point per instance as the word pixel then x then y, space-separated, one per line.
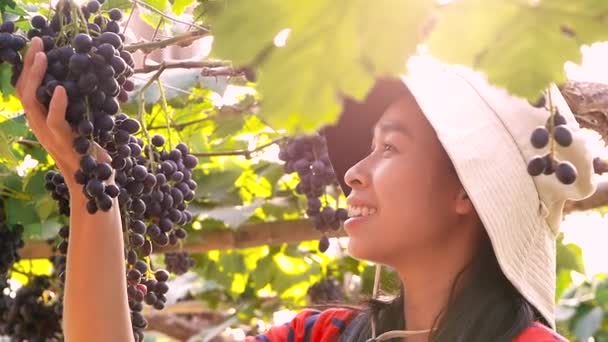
pixel 412 192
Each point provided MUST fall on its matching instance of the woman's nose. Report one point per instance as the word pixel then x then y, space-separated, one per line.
pixel 356 176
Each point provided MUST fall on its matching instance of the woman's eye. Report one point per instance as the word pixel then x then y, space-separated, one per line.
pixel 388 147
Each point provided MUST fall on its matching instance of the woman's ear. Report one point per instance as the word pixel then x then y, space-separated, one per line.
pixel 464 206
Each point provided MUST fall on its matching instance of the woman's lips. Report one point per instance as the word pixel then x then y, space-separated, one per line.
pixel 354 222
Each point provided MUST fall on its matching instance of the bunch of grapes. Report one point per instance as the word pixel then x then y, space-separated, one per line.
pixel 178 262
pixel 11 240
pixel 11 45
pixel 152 182
pixel 6 302
pixel 555 128
pixel 307 156
pixel 324 291
pixel 92 66
pixel 32 314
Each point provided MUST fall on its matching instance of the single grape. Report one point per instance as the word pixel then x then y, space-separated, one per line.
pixel 536 166
pixel 82 43
pixel 540 137
pixel 323 244
pixel 38 22
pixel 566 172
pixel 115 14
pixel 562 135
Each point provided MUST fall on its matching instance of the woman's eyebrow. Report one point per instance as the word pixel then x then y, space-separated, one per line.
pixel 390 126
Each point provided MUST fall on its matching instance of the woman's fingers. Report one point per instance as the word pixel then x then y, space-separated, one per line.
pixel 35 47
pixel 35 75
pixel 55 119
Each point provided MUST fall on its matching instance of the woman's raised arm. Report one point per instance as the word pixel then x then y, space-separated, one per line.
pixel 95 299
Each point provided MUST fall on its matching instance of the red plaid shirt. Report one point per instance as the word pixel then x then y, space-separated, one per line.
pixel 326 326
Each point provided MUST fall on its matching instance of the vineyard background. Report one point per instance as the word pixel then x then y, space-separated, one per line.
pixel 256 253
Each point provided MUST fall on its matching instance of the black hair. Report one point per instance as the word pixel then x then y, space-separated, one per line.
pixel 487 308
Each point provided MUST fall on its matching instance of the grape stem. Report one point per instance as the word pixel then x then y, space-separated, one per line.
pixel 142 109
pixel 129 18
pixel 180 39
pixel 247 153
pixel 551 121
pixel 168 117
pixel 161 13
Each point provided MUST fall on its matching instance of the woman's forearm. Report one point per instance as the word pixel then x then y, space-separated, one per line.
pixel 95 276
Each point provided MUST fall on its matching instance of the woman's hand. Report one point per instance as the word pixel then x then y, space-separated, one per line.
pixel 51 129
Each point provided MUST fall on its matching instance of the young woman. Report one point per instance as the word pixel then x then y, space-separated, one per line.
pixel 435 168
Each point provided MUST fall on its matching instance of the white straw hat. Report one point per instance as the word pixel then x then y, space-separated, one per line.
pixel 486 133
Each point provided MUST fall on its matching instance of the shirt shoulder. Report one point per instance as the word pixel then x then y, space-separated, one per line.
pixel 538 332
pixel 309 325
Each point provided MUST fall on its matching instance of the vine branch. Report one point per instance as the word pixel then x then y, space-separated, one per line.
pixel 246 153
pixel 184 65
pixel 180 39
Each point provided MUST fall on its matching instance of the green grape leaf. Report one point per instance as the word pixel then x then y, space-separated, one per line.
pixel 4 4
pixel 523 45
pixel 570 257
pixel 333 48
pixel 5 80
pixel 160 5
pixel 179 6
pixel 588 323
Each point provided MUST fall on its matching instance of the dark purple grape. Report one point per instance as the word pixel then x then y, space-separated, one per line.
pixel 536 166
pixel 93 6
pixel 110 38
pixel 81 145
pixel 566 172
pixel 106 50
pixel 7 27
pixel 79 63
pixel 82 43
pixel 112 190
pixel 115 14
pixel 158 140
pixel 88 164
pixel 85 128
pixel 95 188
pixel 91 207
pixel 104 202
pixel 103 171
pixel 130 125
pixel 562 135
pixel 113 26
pixel 137 240
pixel 17 43
pixel 134 275
pixel 323 244
pixel 38 22
pixel 190 161
pixel 540 137
pixel 139 172
pixel 87 83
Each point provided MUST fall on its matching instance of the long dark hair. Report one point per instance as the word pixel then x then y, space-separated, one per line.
pixel 487 308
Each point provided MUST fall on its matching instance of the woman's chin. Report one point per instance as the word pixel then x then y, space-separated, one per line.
pixel 360 249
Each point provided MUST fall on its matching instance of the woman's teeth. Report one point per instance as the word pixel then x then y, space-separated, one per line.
pixel 354 211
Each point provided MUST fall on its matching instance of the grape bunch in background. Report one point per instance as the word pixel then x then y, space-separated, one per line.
pixel 178 262
pixel 11 240
pixel 307 156
pixel 557 129
pixel 325 291
pixel 33 315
